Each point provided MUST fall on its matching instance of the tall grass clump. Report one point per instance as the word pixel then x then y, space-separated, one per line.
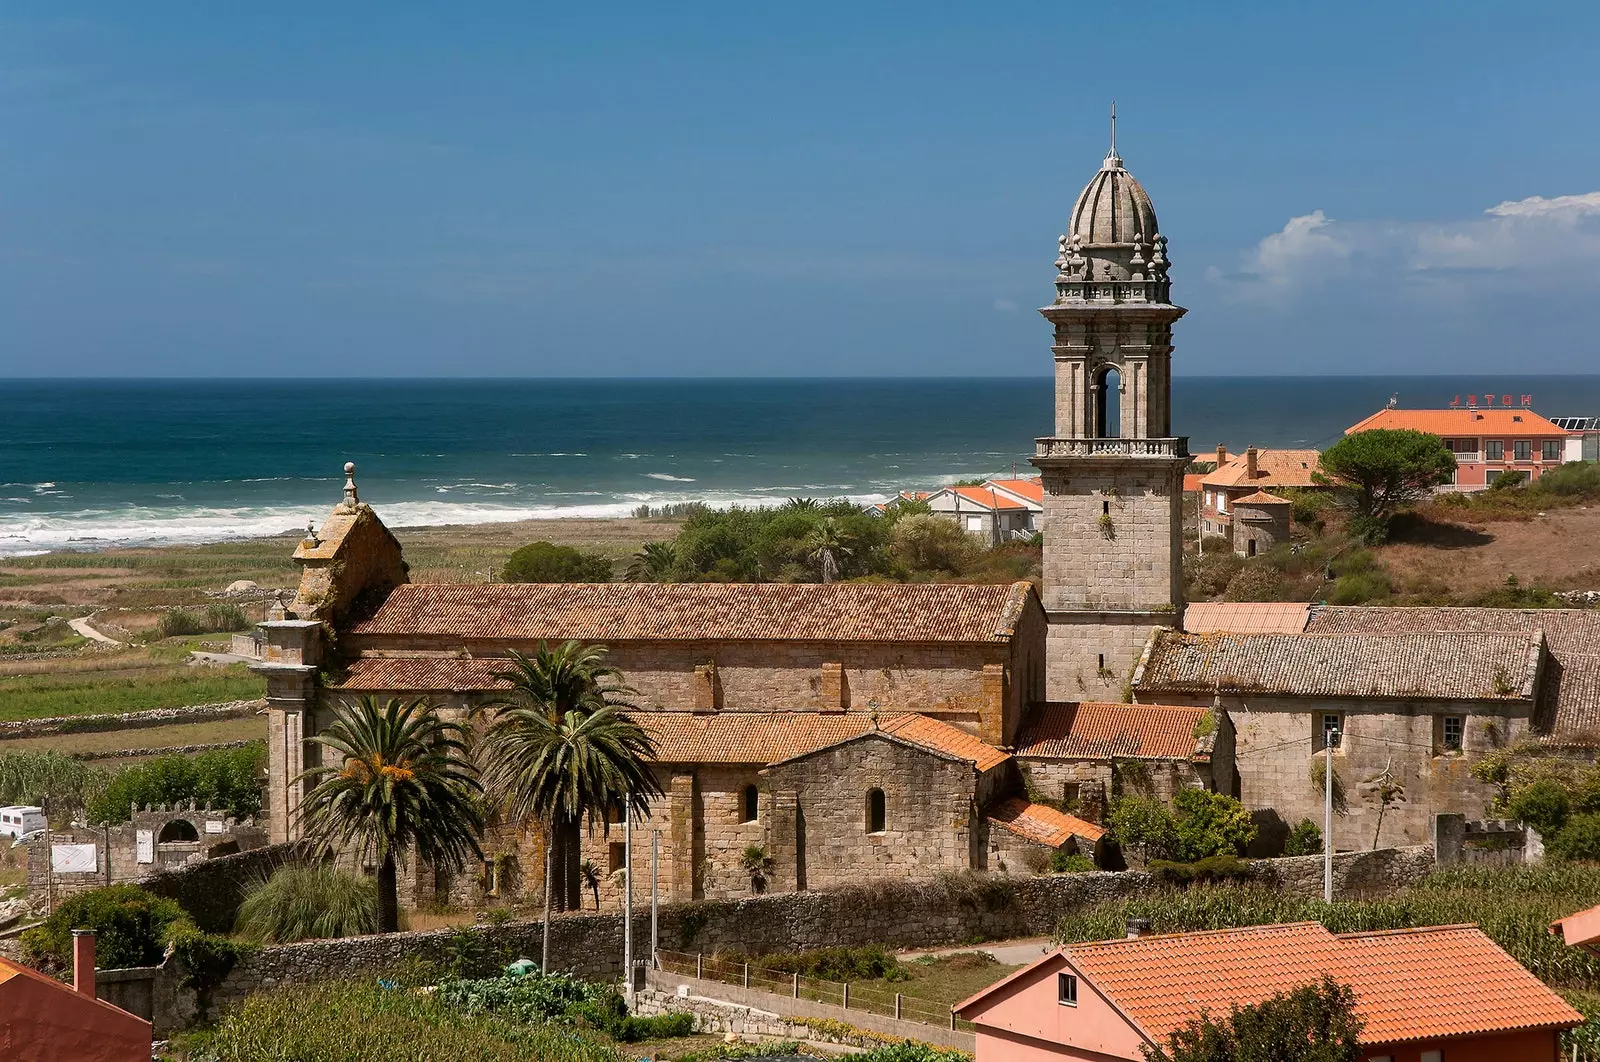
pixel 361 1021
pixel 52 777
pixel 220 616
pixel 305 902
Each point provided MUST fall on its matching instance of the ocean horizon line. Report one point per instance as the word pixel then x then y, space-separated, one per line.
pixel 1464 375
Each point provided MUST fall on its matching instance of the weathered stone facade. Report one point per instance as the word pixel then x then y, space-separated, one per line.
pixel 153 841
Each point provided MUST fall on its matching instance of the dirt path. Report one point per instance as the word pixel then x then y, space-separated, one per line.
pixel 83 627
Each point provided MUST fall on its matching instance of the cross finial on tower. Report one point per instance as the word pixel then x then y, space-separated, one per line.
pixel 1113 127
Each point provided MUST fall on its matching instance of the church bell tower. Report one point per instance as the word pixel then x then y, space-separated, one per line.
pixel 1113 470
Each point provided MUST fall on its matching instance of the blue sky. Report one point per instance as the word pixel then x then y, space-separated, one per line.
pixel 820 189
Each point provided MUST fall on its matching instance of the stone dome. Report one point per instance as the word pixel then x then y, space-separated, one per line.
pixel 1113 208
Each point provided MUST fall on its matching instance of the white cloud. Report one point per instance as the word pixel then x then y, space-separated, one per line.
pixel 1005 305
pixel 1533 241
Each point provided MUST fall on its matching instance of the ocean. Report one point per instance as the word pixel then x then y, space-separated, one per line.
pixel 91 464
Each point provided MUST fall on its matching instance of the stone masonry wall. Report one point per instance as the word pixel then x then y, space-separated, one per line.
pixel 947 910
pixel 1278 738
pixel 928 811
pixel 1134 564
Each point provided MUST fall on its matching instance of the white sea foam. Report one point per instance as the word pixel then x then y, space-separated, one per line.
pixel 669 479
pixel 28 534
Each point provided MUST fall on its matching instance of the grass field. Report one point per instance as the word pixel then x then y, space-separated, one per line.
pixel 129 689
pixel 211 732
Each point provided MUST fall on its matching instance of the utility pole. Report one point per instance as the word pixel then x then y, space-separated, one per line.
pixel 627 894
pixel 1330 739
pixel 655 898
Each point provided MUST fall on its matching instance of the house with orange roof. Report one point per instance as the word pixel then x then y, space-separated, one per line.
pixel 997 510
pixel 43 1020
pixel 1487 441
pixel 1256 471
pixel 1438 994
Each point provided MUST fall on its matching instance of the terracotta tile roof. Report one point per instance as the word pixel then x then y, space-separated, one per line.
pixel 1274 468
pixel 1261 497
pixel 1463 423
pixel 982 497
pixel 612 612
pixel 1092 730
pixel 1193 482
pixel 1569 701
pixel 942 737
pixel 1415 984
pixel 1578 929
pixel 1030 487
pixel 1447 666
pixel 1041 823
pixel 1246 617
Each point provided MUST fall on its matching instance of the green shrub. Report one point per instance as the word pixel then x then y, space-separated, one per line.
pixel 546 562
pixel 1543 804
pixel 1145 823
pixel 631 1030
pixel 304 902
pixel 1070 862
pixel 1211 824
pixel 222 616
pixel 1575 478
pixel 1304 839
pixel 1201 871
pixel 1578 839
pixel 1256 582
pixel 131 929
pixel 1509 479
pixel 176 622
pixel 863 963
pixel 553 998
pixel 222 779
pixel 1358 588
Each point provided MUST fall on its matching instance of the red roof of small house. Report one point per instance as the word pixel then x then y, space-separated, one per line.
pixel 1193 482
pixel 1094 730
pixel 1041 823
pixel 986 498
pixel 1411 984
pixel 41 1018
pixel 1274 468
pixel 1500 423
pixel 1580 929
pixel 1261 497
pixel 1029 487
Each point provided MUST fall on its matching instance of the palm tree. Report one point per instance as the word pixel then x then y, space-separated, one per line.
pixel 400 781
pixel 560 750
pixel 653 563
pixel 826 545
pixel 591 880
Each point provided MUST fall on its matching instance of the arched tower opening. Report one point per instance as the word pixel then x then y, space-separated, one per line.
pixel 1108 403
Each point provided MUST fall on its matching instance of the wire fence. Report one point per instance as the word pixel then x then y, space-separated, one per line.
pixel 847 997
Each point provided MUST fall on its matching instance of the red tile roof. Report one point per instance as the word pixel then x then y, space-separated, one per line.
pixel 1261 497
pixel 423 674
pixel 1447 666
pixel 942 737
pixel 985 498
pixel 746 737
pixel 1092 730
pixel 1246 617
pixel 1192 482
pixel 1030 487
pixel 1579 929
pixel 1569 700
pixel 1274 468
pixel 1415 984
pixel 1463 423
pixel 1041 823
pixel 612 612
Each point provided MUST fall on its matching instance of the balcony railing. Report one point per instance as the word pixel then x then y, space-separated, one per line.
pixel 1055 447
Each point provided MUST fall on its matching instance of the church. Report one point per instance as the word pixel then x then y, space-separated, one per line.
pixel 807 735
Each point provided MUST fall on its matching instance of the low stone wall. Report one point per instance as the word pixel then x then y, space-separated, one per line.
pixel 211 890
pixel 88 724
pixel 164 750
pixel 720 1008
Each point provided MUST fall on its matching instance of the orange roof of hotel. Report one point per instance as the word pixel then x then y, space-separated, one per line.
pixel 1246 617
pixel 1094 730
pixel 1042 823
pixel 1274 468
pixel 612 612
pixel 1492 421
pixel 1411 984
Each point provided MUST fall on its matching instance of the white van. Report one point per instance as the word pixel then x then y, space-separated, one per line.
pixel 17 820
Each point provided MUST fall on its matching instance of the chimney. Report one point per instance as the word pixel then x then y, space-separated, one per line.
pixel 1250 463
pixel 1138 927
pixel 83 961
pixel 1222 456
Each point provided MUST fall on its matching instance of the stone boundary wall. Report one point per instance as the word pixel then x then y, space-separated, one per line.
pixel 720 1008
pixel 165 750
pixel 89 724
pixel 948 910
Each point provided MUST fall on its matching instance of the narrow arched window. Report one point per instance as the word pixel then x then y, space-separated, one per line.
pixel 876 811
pixel 1108 405
pixel 752 803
